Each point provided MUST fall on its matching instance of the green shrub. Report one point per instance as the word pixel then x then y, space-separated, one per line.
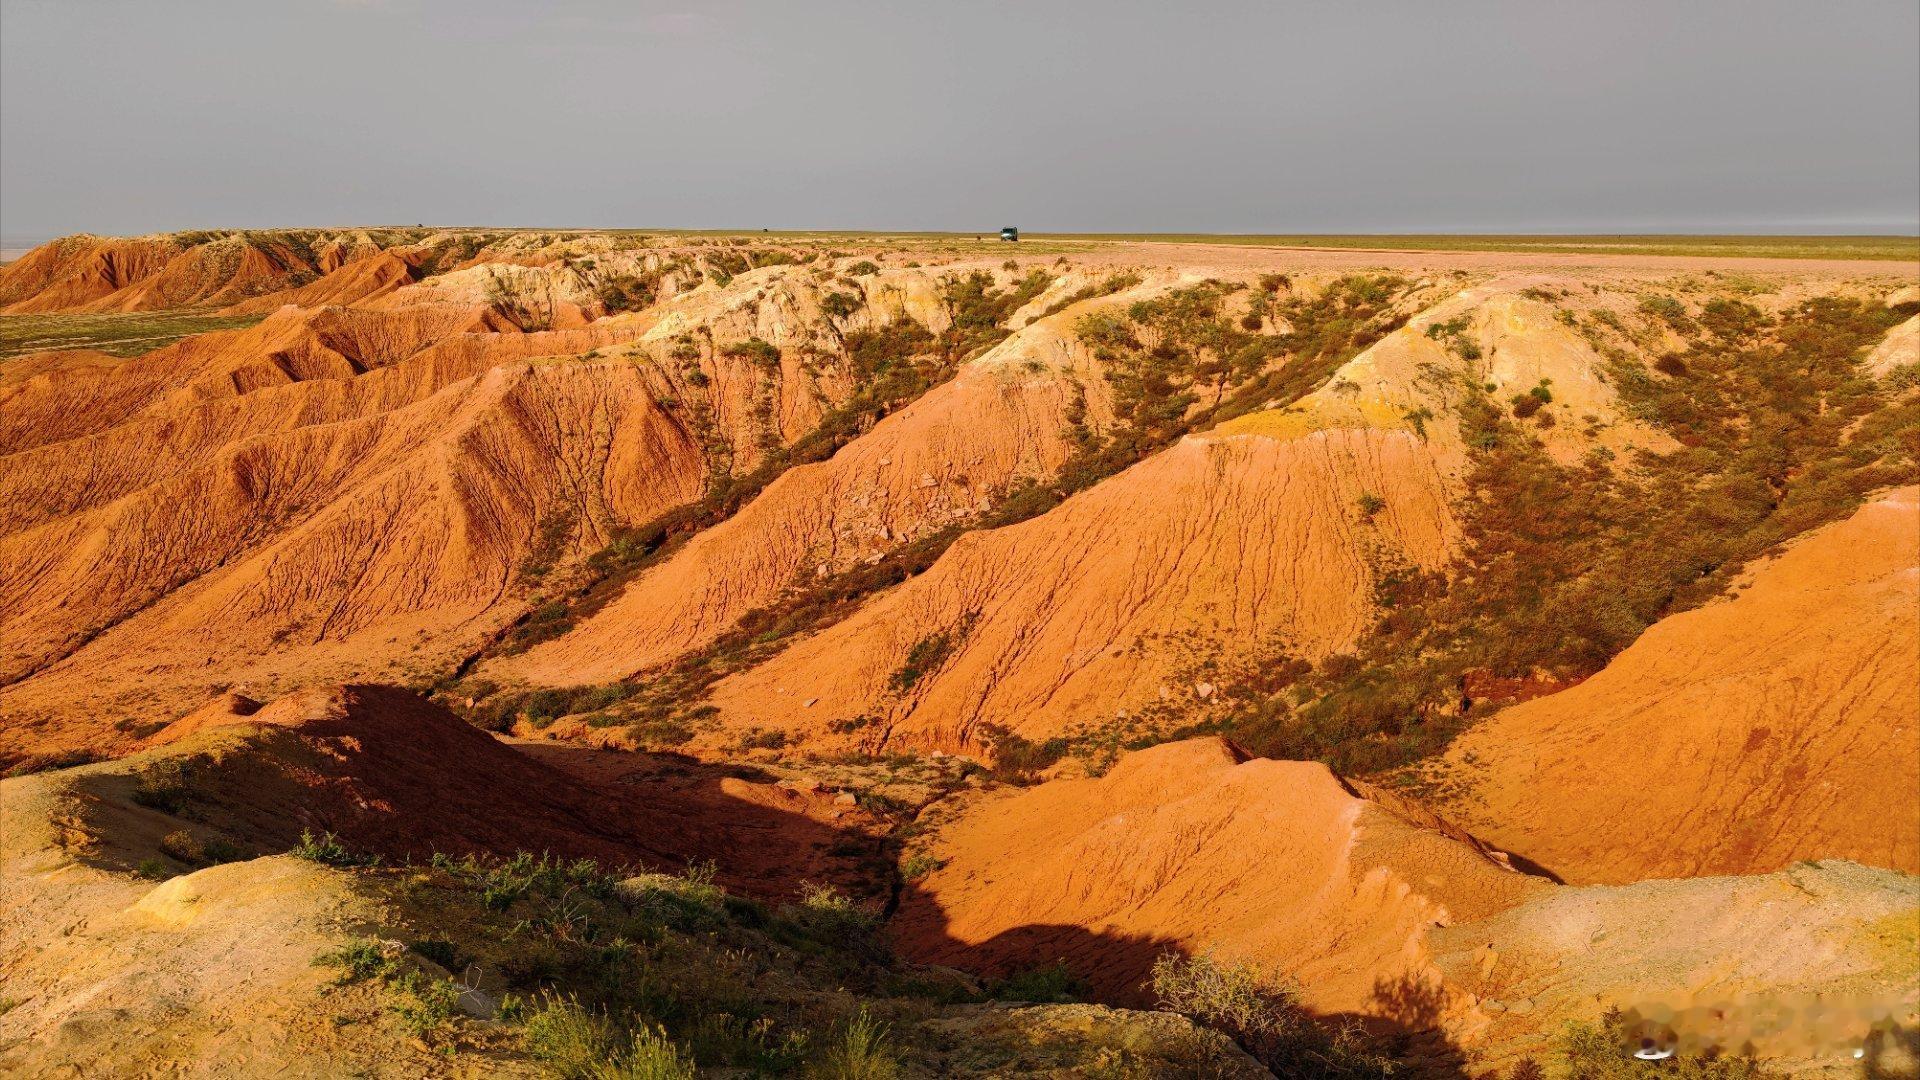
pixel 426 1005
pixel 755 351
pixel 1017 760
pixel 860 1053
pixel 922 659
pixel 571 1040
pixel 1603 1053
pixel 839 305
pixel 327 850
pixel 166 787
pixel 190 849
pixel 826 910
pixel 358 960
pixel 583 1044
pixel 1053 984
pixel 629 292
pixel 762 739
pixel 440 951
pixel 1669 311
pixel 919 865
pixel 1266 1020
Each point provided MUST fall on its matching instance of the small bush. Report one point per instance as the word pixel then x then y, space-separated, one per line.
pixel 1266 1020
pixel 839 305
pixel 573 1041
pixel 754 351
pixel 1053 984
pixel 1602 1053
pixel 1017 760
pixel 358 960
pixel 165 788
pixel 581 1044
pixel 860 1053
pixel 919 865
pixel 655 733
pixel 1671 312
pixel 762 739
pixel 327 850
pixel 825 912
pixel 427 1004
pixel 925 657
pixel 629 292
pixel 440 951
pixel 190 849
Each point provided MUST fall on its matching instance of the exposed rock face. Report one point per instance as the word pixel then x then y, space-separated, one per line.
pixel 938 461
pixel 1191 846
pixel 1091 609
pixel 151 273
pixel 1900 349
pixel 1761 949
pixel 426 436
pixel 349 493
pixel 316 545
pixel 358 280
pixel 1380 911
pixel 223 970
pixel 1778 725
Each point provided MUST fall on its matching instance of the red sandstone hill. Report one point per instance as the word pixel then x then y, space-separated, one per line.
pixel 431 442
pixel 1780 724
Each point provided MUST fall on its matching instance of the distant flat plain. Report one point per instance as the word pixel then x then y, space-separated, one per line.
pixel 1888 247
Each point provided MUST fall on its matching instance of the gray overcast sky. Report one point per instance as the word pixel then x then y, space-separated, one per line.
pixel 1529 115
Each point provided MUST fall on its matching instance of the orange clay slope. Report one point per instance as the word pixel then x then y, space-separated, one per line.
pixel 394 775
pixel 213 971
pixel 1192 845
pixel 151 273
pixel 1260 535
pixel 938 462
pixel 1777 725
pixel 358 494
pixel 1379 911
pixel 232 965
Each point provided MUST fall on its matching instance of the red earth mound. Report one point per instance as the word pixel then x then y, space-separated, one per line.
pixel 353 282
pixel 390 773
pixel 344 493
pixel 1778 725
pixel 151 273
pixel 935 463
pixel 1111 601
pixel 1193 847
pixel 1378 911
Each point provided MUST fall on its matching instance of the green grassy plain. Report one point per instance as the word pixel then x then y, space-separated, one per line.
pixel 127 334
